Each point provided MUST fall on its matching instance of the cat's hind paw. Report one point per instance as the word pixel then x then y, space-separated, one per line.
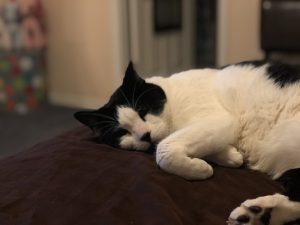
pixel 255 211
pixel 253 215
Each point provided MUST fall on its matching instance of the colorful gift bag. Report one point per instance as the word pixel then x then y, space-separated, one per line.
pixel 22 85
pixel 22 67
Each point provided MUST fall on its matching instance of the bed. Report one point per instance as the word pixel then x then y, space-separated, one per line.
pixel 72 180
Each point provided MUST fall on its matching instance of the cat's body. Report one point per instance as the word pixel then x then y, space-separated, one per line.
pixel 265 117
pixel 219 115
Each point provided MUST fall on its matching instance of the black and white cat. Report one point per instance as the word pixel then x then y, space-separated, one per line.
pixel 244 112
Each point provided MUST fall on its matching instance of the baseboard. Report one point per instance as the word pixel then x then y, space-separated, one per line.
pixel 75 101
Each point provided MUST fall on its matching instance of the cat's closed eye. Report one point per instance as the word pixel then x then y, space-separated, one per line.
pixel 122 132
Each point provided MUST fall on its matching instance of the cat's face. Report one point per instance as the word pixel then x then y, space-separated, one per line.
pixel 132 118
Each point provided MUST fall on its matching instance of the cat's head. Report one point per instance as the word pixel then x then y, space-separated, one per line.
pixel 132 118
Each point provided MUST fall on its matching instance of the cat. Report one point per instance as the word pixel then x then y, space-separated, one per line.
pixel 247 112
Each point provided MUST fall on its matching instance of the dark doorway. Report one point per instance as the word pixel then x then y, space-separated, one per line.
pixel 206 26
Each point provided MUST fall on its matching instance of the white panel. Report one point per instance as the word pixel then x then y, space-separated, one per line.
pixel 134 30
pixel 149 63
pixel 188 43
pixel 120 35
pixel 175 52
pixel 222 27
pixel 162 53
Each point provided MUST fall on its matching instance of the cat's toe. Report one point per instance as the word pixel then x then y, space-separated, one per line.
pixel 243 216
pixel 236 161
pixel 200 170
pixel 229 157
pixel 239 216
pixel 234 158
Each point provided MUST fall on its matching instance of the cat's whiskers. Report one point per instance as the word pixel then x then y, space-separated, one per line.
pixel 122 92
pixel 141 95
pixel 133 94
pixel 105 116
pixel 108 125
pixel 116 116
pixel 105 122
pixel 107 131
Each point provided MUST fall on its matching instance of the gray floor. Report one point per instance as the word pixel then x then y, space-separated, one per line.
pixel 18 132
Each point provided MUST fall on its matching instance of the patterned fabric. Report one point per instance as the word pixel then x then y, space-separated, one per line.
pixel 22 38
pixel 22 25
pixel 22 85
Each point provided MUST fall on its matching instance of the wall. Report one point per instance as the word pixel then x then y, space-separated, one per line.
pixel 86 57
pixel 87 52
pixel 238 31
pixel 84 65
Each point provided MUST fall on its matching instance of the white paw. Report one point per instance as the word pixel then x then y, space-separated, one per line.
pixel 253 215
pixel 256 211
pixel 199 170
pixel 172 159
pixel 235 159
pixel 230 157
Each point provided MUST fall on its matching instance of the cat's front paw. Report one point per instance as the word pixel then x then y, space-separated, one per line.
pixel 255 211
pixel 173 159
pixel 229 157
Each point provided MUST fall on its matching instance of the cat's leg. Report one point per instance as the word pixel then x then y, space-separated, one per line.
pixel 274 209
pixel 181 151
pixel 279 150
pixel 229 157
pixel 277 153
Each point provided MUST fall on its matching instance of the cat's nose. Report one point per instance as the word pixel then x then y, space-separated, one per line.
pixel 146 137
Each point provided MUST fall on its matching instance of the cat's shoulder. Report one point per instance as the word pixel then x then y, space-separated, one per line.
pixel 280 73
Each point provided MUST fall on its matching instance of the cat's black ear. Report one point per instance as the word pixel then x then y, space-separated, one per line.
pixel 131 76
pixel 88 118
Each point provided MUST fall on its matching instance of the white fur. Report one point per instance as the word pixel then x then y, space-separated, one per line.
pixel 210 111
pixel 283 210
pixel 224 116
pixel 129 119
pixel 236 106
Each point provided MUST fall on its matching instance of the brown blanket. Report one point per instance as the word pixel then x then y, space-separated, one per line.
pixel 72 180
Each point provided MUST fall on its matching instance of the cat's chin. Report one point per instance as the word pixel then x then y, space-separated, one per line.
pixel 150 149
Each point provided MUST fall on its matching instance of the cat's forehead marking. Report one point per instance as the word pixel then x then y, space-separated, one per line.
pixel 130 120
pixel 126 116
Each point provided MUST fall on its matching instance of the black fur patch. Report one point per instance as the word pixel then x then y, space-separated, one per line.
pixel 282 74
pixel 290 181
pixel 254 63
pixel 135 93
pixel 265 218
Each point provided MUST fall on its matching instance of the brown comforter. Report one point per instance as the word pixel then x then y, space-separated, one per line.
pixel 72 180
